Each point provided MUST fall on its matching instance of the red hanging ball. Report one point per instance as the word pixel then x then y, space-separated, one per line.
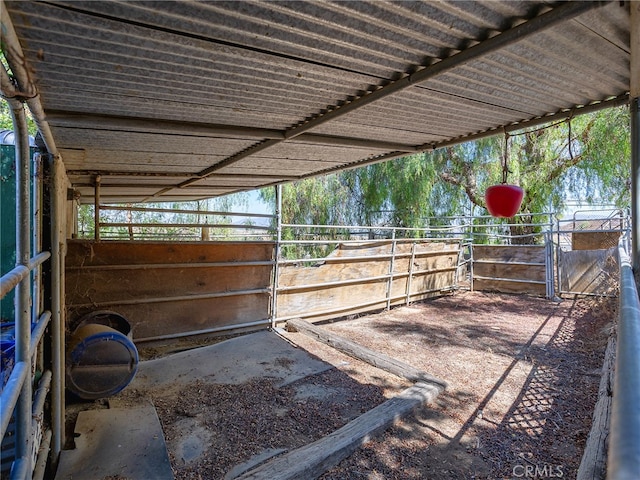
pixel 504 200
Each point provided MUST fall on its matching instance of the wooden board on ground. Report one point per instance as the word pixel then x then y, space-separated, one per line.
pixel 593 465
pixel 313 460
pixel 376 359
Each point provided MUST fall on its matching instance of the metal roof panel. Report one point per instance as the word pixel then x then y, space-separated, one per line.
pixel 243 92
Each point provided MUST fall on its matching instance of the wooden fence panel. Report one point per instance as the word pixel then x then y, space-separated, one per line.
pixel 510 268
pixel 595 240
pixel 170 288
pixel 329 289
pixel 588 271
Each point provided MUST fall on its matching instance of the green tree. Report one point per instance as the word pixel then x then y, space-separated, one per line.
pixel 586 156
pixel 325 200
pixel 6 123
pixel 5 116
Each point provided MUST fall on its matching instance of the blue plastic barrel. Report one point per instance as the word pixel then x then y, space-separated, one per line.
pixel 101 361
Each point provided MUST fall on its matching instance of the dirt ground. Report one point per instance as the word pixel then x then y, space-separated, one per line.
pixel 523 375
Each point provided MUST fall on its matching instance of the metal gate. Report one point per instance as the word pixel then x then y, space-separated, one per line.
pixel 586 247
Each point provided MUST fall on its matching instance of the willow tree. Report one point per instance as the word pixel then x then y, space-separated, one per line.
pixel 586 157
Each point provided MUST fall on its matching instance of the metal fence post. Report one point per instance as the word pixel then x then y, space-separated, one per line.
pixel 549 264
pixel 391 267
pixel 23 293
pixel 277 250
pixel 410 278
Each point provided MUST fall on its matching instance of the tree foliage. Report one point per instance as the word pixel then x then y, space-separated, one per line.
pixel 174 221
pixel 585 157
pixel 6 123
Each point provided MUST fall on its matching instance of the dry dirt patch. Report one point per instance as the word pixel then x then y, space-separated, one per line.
pixel 523 374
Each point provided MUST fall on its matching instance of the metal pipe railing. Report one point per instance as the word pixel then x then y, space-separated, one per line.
pixel 183 225
pixel 205 331
pixel 194 212
pixel 11 392
pixel 145 230
pixel 174 298
pixel 23 289
pixel 367 258
pixel 57 201
pixel 17 395
pixel 12 278
pixel 623 461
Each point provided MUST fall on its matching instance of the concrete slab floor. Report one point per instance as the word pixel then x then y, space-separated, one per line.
pixel 128 441
pixel 117 443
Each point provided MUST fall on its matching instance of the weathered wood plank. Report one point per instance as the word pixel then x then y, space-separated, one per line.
pixel 432 269
pixel 165 288
pixel 181 316
pixel 593 465
pixel 311 461
pixel 510 253
pixel 372 357
pixel 112 285
pixel 338 298
pixel 588 271
pixel 87 252
pixel 594 240
pixel 514 271
pixel 508 286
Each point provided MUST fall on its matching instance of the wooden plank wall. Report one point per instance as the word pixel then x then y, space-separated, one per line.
pixel 589 271
pixel 510 268
pixel 170 288
pixel 594 240
pixel 421 269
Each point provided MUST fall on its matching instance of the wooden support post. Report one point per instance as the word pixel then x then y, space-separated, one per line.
pixel 96 207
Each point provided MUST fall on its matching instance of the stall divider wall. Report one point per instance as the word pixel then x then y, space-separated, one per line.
pixel 168 290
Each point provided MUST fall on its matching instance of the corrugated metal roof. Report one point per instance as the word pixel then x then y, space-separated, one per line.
pixel 184 100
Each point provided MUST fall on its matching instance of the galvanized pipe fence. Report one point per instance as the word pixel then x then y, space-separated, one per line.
pixel 623 459
pixel 205 225
pixel 23 430
pixel 370 245
pixel 542 229
pixel 602 231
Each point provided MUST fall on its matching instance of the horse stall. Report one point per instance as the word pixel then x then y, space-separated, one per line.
pixel 168 290
pixel 188 101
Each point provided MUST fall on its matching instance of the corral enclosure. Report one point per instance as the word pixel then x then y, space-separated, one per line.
pixel 175 289
pixel 171 289
pixel 131 104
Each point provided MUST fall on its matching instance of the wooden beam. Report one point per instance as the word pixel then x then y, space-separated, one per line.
pixel 314 459
pixel 593 465
pixel 374 358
